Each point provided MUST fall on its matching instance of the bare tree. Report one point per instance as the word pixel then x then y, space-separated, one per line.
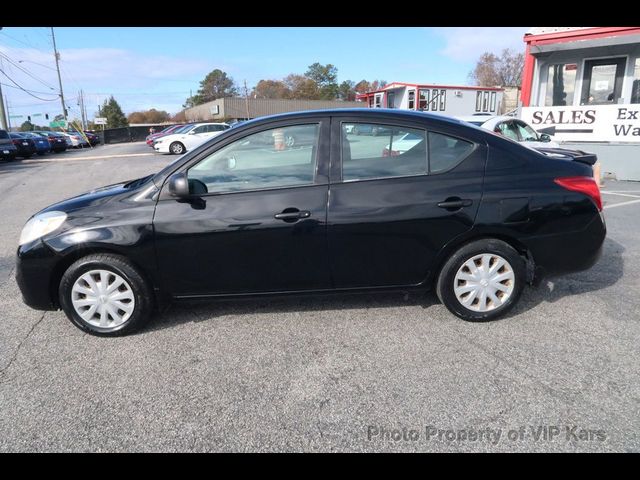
pixel 505 70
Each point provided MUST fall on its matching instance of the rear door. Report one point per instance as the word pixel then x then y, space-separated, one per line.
pixel 396 199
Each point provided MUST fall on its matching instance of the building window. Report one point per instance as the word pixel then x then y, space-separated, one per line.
pixel 478 101
pixel 443 100
pixel 370 102
pixel 493 101
pixel 635 87
pixel 412 99
pixel 378 101
pixel 423 100
pixel 391 100
pixel 561 82
pixel 434 100
pixel 602 81
pixel 485 101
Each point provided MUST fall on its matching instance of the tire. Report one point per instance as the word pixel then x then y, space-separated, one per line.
pixel 177 148
pixel 511 276
pixel 135 295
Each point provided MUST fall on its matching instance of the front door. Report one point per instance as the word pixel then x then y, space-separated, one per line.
pixel 396 199
pixel 256 219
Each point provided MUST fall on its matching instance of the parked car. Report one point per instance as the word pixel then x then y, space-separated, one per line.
pixel 8 150
pixel 93 138
pixel 189 138
pixel 75 139
pixel 475 218
pixel 42 144
pixel 172 129
pixel 25 145
pixel 57 140
pixel 513 128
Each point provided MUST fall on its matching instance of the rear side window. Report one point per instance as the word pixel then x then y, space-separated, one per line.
pixel 446 152
pixel 4 134
pixel 382 151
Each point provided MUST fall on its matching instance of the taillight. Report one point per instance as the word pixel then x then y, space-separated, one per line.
pixel 586 185
pixel 15 142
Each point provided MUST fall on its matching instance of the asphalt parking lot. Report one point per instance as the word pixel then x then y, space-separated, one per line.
pixel 345 373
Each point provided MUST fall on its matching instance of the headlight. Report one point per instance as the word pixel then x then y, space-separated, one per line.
pixel 40 225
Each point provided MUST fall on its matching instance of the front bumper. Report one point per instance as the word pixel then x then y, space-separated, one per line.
pixel 35 268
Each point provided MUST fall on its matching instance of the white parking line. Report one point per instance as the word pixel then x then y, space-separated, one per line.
pixel 99 157
pixel 622 204
pixel 625 194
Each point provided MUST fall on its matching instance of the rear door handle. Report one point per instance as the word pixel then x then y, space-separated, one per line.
pixel 292 215
pixel 455 203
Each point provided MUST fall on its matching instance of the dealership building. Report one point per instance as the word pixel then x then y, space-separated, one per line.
pixel 444 99
pixel 582 86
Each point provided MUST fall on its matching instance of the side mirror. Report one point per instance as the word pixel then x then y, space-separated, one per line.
pixel 545 138
pixel 179 185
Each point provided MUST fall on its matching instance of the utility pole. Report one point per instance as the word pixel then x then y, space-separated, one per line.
pixel 6 102
pixel 82 110
pixel 246 98
pixel 57 55
pixel 4 117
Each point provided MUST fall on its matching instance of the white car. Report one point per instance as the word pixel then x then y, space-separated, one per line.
pixel 75 139
pixel 512 128
pixel 188 138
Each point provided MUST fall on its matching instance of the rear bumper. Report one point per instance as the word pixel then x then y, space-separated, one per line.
pixel 568 252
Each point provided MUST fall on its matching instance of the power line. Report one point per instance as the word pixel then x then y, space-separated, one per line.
pixel 20 67
pixel 27 91
pixel 20 41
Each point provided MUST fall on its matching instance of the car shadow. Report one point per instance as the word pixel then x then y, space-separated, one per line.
pixel 605 273
pixel 198 311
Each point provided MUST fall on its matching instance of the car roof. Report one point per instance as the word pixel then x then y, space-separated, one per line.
pixel 360 112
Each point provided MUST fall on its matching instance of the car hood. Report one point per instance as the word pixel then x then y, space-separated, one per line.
pixel 99 197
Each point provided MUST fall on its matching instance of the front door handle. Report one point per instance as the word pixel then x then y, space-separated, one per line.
pixel 291 215
pixel 455 203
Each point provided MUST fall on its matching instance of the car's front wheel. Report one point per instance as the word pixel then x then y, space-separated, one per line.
pixel 105 295
pixel 482 280
pixel 177 148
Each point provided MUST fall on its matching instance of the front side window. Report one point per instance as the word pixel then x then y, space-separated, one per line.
pixel 508 129
pixel 526 133
pixel 279 157
pixel 385 151
pixel 446 152
pixel 561 81
pixel 200 129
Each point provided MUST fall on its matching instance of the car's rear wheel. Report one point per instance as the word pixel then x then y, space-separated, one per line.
pixel 105 295
pixel 289 141
pixel 177 148
pixel 482 281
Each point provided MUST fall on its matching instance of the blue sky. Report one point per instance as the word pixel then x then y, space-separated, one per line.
pixel 157 67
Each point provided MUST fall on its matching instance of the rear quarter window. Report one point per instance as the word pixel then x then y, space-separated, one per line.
pixel 446 152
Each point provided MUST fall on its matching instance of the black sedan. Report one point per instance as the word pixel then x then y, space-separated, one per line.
pixel 92 137
pixel 8 150
pixel 26 146
pixel 57 140
pixel 457 209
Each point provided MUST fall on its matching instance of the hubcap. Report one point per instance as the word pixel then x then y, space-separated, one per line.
pixel 289 141
pixel 102 298
pixel 484 282
pixel 177 148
